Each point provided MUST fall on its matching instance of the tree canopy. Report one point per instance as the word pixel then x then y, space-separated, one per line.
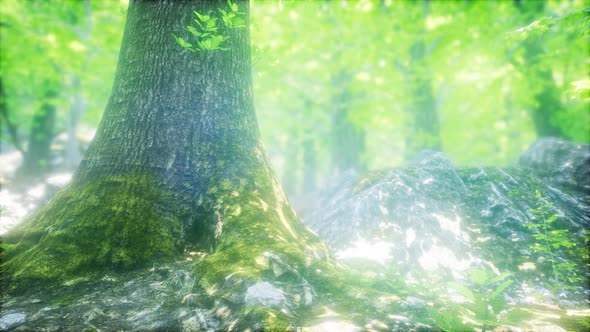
pixel 483 73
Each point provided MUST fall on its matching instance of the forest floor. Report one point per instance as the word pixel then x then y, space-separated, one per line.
pixel 168 285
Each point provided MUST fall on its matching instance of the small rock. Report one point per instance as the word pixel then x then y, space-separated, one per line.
pixel 547 328
pixel 191 324
pixel 12 320
pixel 212 323
pixel 266 294
pixel 414 302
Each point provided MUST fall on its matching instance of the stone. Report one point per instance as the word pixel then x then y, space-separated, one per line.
pixel 264 293
pixel 191 324
pixel 559 161
pixel 12 320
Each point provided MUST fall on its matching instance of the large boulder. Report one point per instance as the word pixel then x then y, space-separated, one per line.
pixel 443 231
pixel 559 161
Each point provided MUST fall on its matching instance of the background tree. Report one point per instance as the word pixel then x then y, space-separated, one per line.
pixel 37 157
pixel 423 127
pixel 51 46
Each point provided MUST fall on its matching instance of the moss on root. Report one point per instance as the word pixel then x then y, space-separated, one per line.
pixel 111 223
pixel 259 238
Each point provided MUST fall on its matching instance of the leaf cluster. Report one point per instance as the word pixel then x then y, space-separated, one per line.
pixel 550 240
pixel 205 33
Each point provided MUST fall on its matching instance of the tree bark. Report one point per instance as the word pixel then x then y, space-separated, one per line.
pixel 177 163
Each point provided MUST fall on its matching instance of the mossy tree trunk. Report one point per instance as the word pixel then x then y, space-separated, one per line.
pixel 177 163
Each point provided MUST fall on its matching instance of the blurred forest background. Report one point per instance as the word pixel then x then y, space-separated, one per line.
pixel 339 85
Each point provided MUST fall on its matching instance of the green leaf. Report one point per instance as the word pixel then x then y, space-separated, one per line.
pixel 500 277
pixel 232 6
pixel 462 290
pixel 238 22
pixel 182 42
pixel 501 288
pixel 517 316
pixel 202 18
pixel 199 24
pixel 205 44
pixel 193 31
pixel 479 276
pixel 211 24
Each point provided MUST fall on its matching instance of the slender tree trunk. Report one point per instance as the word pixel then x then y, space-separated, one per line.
pixel 11 127
pixel 347 139
pixel 547 97
pixel 422 112
pixel 37 157
pixel 547 107
pixel 73 153
pixel 309 165
pixel 177 163
pixel 424 125
pixel 72 149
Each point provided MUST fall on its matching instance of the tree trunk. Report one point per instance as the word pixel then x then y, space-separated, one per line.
pixel 38 154
pixel 424 125
pixel 177 163
pixel 10 127
pixel 72 150
pixel 309 164
pixel 548 105
pixel 424 121
pixel 347 139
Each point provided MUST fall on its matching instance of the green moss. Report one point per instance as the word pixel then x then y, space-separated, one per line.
pixel 112 223
pixel 256 227
pixel 260 318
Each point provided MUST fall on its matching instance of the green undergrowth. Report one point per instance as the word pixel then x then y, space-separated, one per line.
pixel 111 223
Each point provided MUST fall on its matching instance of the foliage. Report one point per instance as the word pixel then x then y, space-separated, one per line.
pixel 485 306
pixel 549 241
pixel 205 34
pixel 482 96
pixel 70 45
pixel 484 90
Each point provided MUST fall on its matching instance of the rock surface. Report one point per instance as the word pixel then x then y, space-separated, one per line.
pixel 559 161
pixel 12 320
pixel 264 293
